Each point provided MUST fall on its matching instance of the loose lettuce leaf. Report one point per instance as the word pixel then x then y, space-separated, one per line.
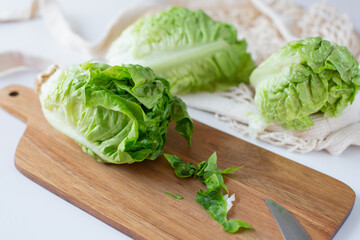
pixel 188 48
pixel 176 196
pixel 213 202
pixel 305 77
pixel 212 198
pixel 117 114
pixel 182 170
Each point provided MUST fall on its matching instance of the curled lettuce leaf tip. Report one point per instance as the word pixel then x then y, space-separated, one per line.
pixel 188 48
pixel 305 77
pixel 117 114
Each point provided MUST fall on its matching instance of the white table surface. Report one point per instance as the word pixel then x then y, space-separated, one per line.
pixel 28 211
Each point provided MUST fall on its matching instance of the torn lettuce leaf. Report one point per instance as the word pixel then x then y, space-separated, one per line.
pixel 212 199
pixel 214 203
pixel 176 196
pixel 117 114
pixel 188 48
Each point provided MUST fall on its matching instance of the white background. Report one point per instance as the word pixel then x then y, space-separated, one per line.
pixel 28 211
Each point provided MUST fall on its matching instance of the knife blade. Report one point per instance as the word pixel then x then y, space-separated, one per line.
pixel 290 228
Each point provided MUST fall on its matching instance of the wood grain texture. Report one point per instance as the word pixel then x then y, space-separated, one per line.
pixel 132 198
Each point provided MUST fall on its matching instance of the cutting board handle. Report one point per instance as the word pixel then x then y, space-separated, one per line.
pixel 19 101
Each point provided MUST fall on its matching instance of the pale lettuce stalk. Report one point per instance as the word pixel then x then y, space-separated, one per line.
pixel 188 48
pixel 305 77
pixel 117 114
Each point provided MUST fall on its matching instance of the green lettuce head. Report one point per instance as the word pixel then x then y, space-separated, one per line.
pixel 188 48
pixel 305 77
pixel 118 114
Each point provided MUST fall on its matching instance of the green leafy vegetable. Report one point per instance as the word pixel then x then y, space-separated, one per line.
pixel 182 170
pixel 305 77
pixel 188 48
pixel 211 199
pixel 118 114
pixel 174 196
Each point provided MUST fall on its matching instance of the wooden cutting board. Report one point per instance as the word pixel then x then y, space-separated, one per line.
pixel 132 199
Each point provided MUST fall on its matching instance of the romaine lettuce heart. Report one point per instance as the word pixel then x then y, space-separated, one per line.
pixel 188 48
pixel 117 114
pixel 305 77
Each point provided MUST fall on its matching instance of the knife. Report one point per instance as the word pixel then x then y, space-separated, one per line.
pixel 289 226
